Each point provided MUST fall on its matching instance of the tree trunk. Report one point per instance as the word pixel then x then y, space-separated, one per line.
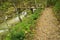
pixel 18 14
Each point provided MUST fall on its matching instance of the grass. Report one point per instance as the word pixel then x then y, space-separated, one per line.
pixel 22 29
pixel 57 10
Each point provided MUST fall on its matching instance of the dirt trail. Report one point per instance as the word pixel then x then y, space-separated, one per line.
pixel 47 26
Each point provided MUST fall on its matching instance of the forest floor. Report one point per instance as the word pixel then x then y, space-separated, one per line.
pixel 47 26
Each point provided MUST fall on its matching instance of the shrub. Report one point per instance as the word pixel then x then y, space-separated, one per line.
pixel 57 10
pixel 51 2
pixel 21 30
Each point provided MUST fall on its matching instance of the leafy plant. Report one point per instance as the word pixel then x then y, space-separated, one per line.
pixel 22 29
pixel 51 2
pixel 57 10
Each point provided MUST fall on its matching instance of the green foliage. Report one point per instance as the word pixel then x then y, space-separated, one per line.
pixel 57 10
pixel 51 2
pixel 5 6
pixel 57 7
pixel 24 28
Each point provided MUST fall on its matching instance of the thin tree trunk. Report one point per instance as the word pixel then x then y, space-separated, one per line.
pixel 17 12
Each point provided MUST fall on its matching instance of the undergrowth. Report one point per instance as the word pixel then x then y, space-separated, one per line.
pixel 57 10
pixel 24 29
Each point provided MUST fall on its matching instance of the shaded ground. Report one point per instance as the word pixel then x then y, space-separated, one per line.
pixel 47 26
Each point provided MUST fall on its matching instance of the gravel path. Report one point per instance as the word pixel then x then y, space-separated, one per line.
pixel 47 26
